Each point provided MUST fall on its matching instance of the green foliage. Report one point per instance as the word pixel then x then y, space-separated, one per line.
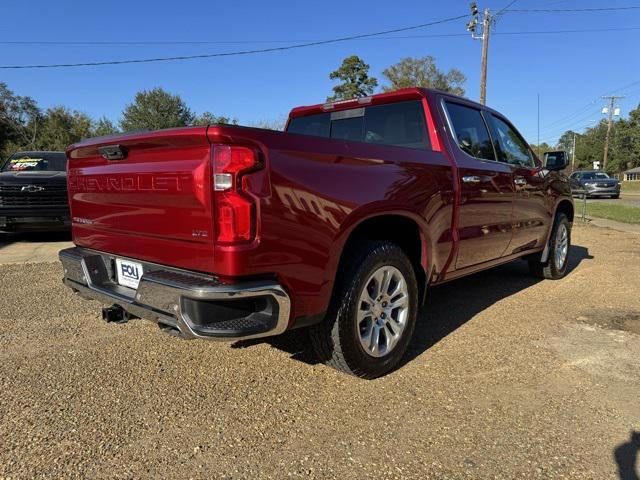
pixel 23 126
pixel 208 118
pixel 540 149
pixel 624 147
pixel 18 116
pixel 565 142
pixel 423 72
pixel 103 127
pixel 155 109
pixel 356 82
pixel 618 212
pixel 60 127
pixel 633 186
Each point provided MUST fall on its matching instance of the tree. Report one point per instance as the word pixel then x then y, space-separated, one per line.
pixel 155 109
pixel 103 127
pixel 356 82
pixel 208 118
pixel 626 143
pixel 423 72
pixel 18 121
pixel 60 127
pixel 565 142
pixel 271 124
pixel 540 149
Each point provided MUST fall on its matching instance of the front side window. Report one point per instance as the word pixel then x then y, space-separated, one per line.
pixel 401 124
pixel 470 131
pixel 513 149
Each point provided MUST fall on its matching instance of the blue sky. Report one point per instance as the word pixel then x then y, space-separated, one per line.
pixel 568 70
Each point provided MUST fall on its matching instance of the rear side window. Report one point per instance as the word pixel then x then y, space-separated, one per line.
pixel 470 131
pixel 401 124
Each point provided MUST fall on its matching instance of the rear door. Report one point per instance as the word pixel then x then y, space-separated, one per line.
pixel 531 214
pixel 486 187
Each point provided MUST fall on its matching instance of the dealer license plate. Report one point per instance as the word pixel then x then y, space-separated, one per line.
pixel 128 273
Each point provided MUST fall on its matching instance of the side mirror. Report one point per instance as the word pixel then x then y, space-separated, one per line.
pixel 556 160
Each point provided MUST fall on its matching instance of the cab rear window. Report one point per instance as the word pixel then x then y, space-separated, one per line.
pixel 401 124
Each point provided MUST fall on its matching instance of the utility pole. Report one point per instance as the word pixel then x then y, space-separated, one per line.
pixel 573 157
pixel 486 28
pixel 612 99
pixel 538 148
pixel 486 31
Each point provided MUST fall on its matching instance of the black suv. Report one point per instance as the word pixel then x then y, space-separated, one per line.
pixel 33 192
pixel 594 183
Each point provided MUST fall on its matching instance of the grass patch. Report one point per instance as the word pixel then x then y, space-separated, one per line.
pixel 631 187
pixel 619 213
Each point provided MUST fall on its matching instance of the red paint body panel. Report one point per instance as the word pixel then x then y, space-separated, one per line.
pixel 309 194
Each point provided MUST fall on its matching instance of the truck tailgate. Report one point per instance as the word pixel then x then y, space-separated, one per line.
pixel 154 203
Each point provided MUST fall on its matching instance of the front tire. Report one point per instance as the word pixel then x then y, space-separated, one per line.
pixel 559 246
pixel 372 314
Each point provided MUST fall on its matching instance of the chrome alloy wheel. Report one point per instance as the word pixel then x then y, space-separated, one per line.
pixel 562 245
pixel 382 311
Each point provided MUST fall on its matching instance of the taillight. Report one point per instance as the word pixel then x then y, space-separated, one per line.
pixel 235 212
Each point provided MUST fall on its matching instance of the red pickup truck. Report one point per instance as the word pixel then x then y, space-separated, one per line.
pixel 339 224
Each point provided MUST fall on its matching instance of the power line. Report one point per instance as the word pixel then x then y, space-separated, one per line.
pixel 503 9
pixel 570 10
pixel 229 54
pixel 549 132
pixel 569 119
pixel 557 124
pixel 632 84
pixel 232 42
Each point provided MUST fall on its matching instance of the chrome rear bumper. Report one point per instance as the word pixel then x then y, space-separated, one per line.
pixel 197 305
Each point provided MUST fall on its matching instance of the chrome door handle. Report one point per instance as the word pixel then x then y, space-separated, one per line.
pixel 520 181
pixel 471 179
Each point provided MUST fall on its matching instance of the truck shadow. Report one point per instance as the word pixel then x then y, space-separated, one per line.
pixel 451 305
pixel 448 307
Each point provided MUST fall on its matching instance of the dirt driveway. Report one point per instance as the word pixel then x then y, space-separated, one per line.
pixel 509 377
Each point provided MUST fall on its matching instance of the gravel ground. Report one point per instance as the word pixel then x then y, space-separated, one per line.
pixel 508 377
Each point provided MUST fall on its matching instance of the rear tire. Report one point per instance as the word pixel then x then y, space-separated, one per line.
pixel 559 246
pixel 372 314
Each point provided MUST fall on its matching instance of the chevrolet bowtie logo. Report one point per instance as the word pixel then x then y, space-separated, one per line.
pixel 32 188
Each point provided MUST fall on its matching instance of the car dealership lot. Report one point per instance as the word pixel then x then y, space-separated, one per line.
pixel 508 377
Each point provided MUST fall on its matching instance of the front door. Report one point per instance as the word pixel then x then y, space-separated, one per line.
pixel 531 215
pixel 486 186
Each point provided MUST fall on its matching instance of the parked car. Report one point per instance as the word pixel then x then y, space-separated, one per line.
pixel 339 224
pixel 594 183
pixel 33 192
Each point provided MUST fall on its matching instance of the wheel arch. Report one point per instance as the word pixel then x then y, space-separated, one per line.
pixel 565 206
pixel 401 228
